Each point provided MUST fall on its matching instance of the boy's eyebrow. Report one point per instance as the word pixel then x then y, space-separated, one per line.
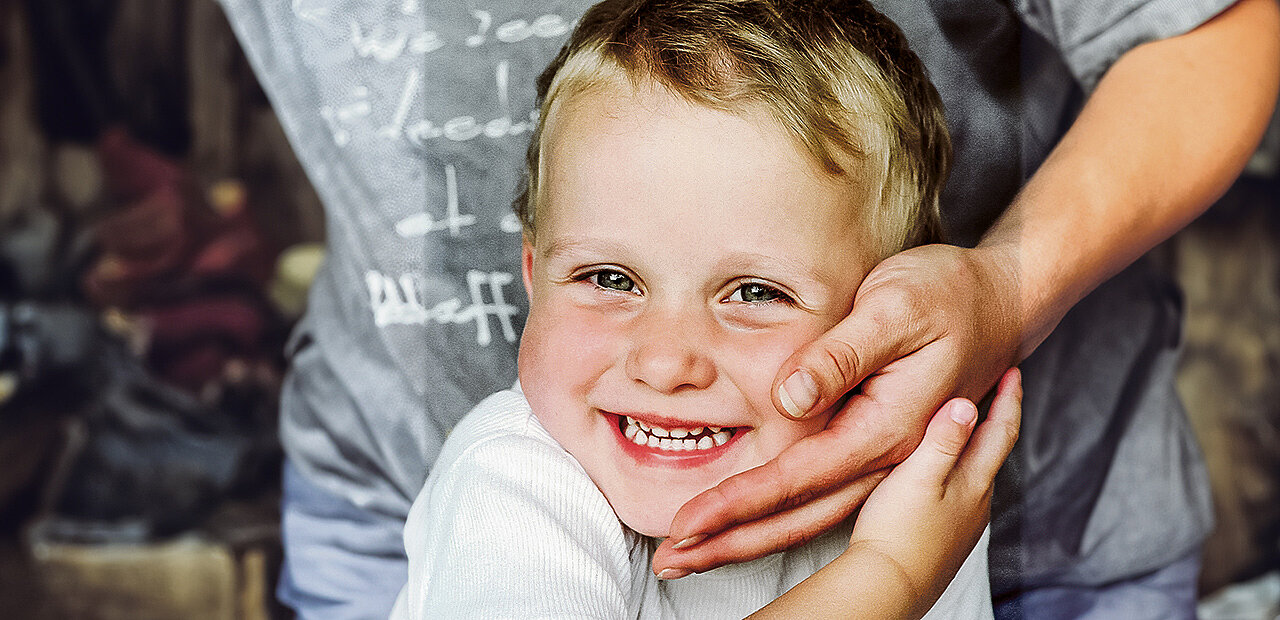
pixel 744 260
pixel 568 245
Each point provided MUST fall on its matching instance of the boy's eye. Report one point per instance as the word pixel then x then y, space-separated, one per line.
pixel 755 292
pixel 613 280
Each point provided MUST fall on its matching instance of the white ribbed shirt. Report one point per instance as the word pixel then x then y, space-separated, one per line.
pixel 509 525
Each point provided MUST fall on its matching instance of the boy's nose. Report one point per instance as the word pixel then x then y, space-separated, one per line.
pixel 668 355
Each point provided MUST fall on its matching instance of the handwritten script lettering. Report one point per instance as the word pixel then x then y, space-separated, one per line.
pixel 398 301
pixel 338 118
pixel 422 224
pixel 400 57
pixel 459 128
pixel 543 27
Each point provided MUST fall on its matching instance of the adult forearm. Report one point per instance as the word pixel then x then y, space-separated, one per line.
pixel 1165 133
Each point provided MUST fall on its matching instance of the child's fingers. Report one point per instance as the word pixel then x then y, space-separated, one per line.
pixel 993 440
pixel 944 441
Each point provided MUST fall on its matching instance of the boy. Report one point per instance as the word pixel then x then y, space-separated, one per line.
pixel 708 185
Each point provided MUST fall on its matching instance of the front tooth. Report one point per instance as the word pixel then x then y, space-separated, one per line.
pixel 705 443
pixel 631 431
pixel 659 431
pixel 653 441
pixel 720 438
pixel 679 433
pixel 689 444
pixel 640 438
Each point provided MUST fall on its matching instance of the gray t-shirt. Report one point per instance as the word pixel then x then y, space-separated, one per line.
pixel 412 117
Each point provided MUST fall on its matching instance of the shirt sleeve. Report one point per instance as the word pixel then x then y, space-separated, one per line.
pixel 514 528
pixel 969 593
pixel 1093 34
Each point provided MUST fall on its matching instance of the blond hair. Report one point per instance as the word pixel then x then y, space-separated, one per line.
pixel 836 74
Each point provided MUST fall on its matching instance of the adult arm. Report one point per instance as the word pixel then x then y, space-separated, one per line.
pixel 1167 130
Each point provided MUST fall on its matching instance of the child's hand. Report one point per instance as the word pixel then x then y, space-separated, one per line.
pixel 918 527
pixel 926 516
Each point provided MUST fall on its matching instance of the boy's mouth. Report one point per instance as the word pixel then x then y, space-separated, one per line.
pixel 675 439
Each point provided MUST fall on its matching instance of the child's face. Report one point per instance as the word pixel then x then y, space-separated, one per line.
pixel 682 254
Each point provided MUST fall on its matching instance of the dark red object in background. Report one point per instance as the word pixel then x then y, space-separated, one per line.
pixel 187 266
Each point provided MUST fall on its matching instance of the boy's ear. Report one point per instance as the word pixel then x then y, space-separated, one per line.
pixel 526 266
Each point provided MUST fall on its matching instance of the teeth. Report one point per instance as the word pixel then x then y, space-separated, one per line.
pixel 675 439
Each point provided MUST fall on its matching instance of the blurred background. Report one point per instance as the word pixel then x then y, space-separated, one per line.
pixel 156 240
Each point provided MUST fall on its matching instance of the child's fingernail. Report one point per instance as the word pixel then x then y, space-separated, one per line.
pixel 690 541
pixel 798 394
pixel 963 412
pixel 673 573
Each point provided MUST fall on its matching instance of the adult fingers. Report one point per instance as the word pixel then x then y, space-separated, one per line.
pixel 777 532
pixel 994 438
pixel 817 376
pixel 853 445
pixel 803 471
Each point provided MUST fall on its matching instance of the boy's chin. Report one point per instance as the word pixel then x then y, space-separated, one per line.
pixel 651 523
pixel 658 533
pixel 648 527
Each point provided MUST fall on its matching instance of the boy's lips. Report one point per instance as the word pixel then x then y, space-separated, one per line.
pixel 668 422
pixel 672 444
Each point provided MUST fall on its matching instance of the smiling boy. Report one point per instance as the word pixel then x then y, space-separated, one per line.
pixel 709 184
pixel 664 308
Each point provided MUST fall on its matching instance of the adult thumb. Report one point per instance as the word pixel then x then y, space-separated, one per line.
pixel 814 378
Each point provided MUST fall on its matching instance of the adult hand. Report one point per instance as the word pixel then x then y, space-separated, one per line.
pixel 927 325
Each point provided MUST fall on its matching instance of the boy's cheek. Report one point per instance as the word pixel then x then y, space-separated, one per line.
pixel 562 337
pixel 754 360
pixel 768 349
